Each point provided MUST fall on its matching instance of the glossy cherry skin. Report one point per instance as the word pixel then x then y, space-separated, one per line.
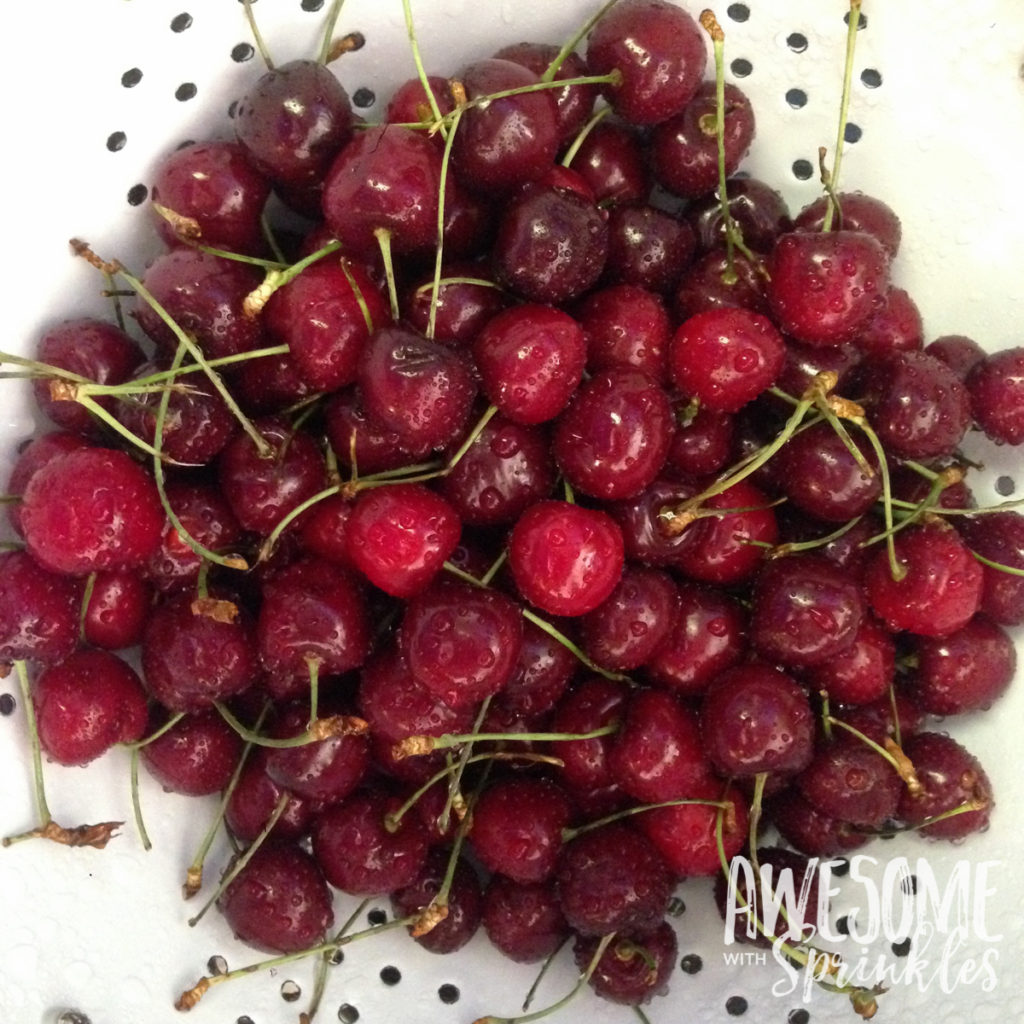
pixel 353 435
pixel 293 122
pixel 633 969
pixel 811 831
pixel 756 719
pixel 996 386
pixel 255 799
pixel 115 614
pixel 87 703
pixel 386 179
pixel 542 673
pixel 196 756
pixel 32 456
pixel 863 671
pixel 39 611
pixel 94 349
pixel 857 212
pixel 999 537
pixel 565 559
pixel 825 286
pixel 626 326
pixel 896 327
pixel 960 353
pixel 279 902
pixel 215 185
pixel 462 308
pixel 524 921
pixel 757 209
pixel 400 536
pixel 941 589
pixel 611 161
pixel 612 440
pixel 725 358
pixel 94 508
pixel 660 53
pixel 706 284
pixel 530 359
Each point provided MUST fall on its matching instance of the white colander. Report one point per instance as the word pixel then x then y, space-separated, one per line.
pixel 99 91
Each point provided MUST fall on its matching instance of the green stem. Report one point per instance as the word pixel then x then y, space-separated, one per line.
pixel 573 41
pixel 421 71
pixel 844 110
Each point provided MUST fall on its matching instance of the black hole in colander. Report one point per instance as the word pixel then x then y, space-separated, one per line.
pixel 797 42
pixel 311 5
pixel 232 108
pixel 186 91
pixel 242 52
pixel 390 975
pixel 901 948
pixel 448 994
pixel 738 12
pixel 741 67
pixel 131 78
pixel 735 1006
pixel 796 98
pixel 871 78
pixel 137 195
pixel 798 1017
pixel 180 22
pixel 862 21
pixel 1005 486
pixel 853 132
pixel 348 1014
pixel 691 964
pixel 803 170
pixel 377 916
pixel 116 141
pixel 363 97
pixel 7 704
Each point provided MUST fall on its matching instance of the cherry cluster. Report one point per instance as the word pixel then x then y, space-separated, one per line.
pixel 553 516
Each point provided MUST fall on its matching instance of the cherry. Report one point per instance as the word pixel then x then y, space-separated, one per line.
pixel 204 295
pixel 612 879
pixel 325 316
pixel 809 830
pixel 634 623
pixel 805 610
pixel 418 389
pixel 856 212
pixel 353 436
pixel 684 149
pixel 461 642
pixel 196 756
pixel 255 799
pixel 896 327
pixel 270 384
pixel 708 636
pixel 996 386
pixel 92 508
pixel 87 703
pixel 999 537
pixel 293 122
pixel 756 719
pixel 263 487
pixel 31 456
pixel 524 921
pixel 386 179
pixel 517 828
pixel 716 280
pixel 625 325
pixel 462 308
pixel 115 614
pixel 215 189
pixel 530 360
pixel 611 161
pixel 93 349
pixel 464 902
pixel 658 50
pixel 543 670
pixel 565 559
pixel 725 358
pixel 503 143
pixel 940 590
pixel 410 103
pixel 644 534
pixel 964 671
pixel 961 354
pixel 612 440
pixel 634 968
pixel 703 440
pixel 190 659
pixel 824 287
pixel 278 902
pixel 803 363
pixel 864 670
pixel 757 209
pixel 878 718
pixel 950 776
pixel 551 244
pixel 39 611
pixel 657 753
pixel 400 535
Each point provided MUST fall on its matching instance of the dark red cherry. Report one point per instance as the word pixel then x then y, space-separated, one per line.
pixel 462 307
pixel 353 436
pixel 93 349
pixel 39 611
pixel 565 559
pixel 293 122
pixel 996 386
pixel 87 703
pixel 647 247
pixel 93 508
pixel 256 797
pixel 279 901
pixel 410 104
pixel 703 440
pixel 825 286
pixel 214 185
pixel 999 537
pixel 626 326
pixel 758 210
pixel 644 533
pixel 196 756
pixel 896 327
pixel 115 614
pixel 856 212
pixel 811 831
pixel 803 363
pixel 542 673
pixel 634 968
pixel 863 671
pixel 611 161
pixel 660 52
pixel 958 352
pixel 31 456
pixel 714 281
pixel 524 921
pixel 270 384
pixel 612 440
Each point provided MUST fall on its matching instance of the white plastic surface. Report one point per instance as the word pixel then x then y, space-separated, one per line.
pixel 104 933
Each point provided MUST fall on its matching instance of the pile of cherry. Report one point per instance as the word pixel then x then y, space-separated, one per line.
pixel 437 558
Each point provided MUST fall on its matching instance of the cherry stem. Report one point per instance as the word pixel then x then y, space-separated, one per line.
pixel 570 44
pixel 360 298
pixel 570 154
pixel 442 194
pixel 459 768
pixel 413 746
pixel 313 664
pixel 568 834
pixel 320 981
pixel 327 41
pixel 42 808
pixel 90 584
pixel 321 729
pixel 1011 569
pixel 809 545
pixel 257 38
pixel 892 753
pixel 545 967
pixel 421 71
pixel 271 239
pixel 115 298
pixel 253 303
pixel 194 876
pixel 844 109
pixel 140 823
pixel 240 863
pixel 894 708
pixel 157 733
pixel 383 237
pixel 581 983
pixel 471 437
